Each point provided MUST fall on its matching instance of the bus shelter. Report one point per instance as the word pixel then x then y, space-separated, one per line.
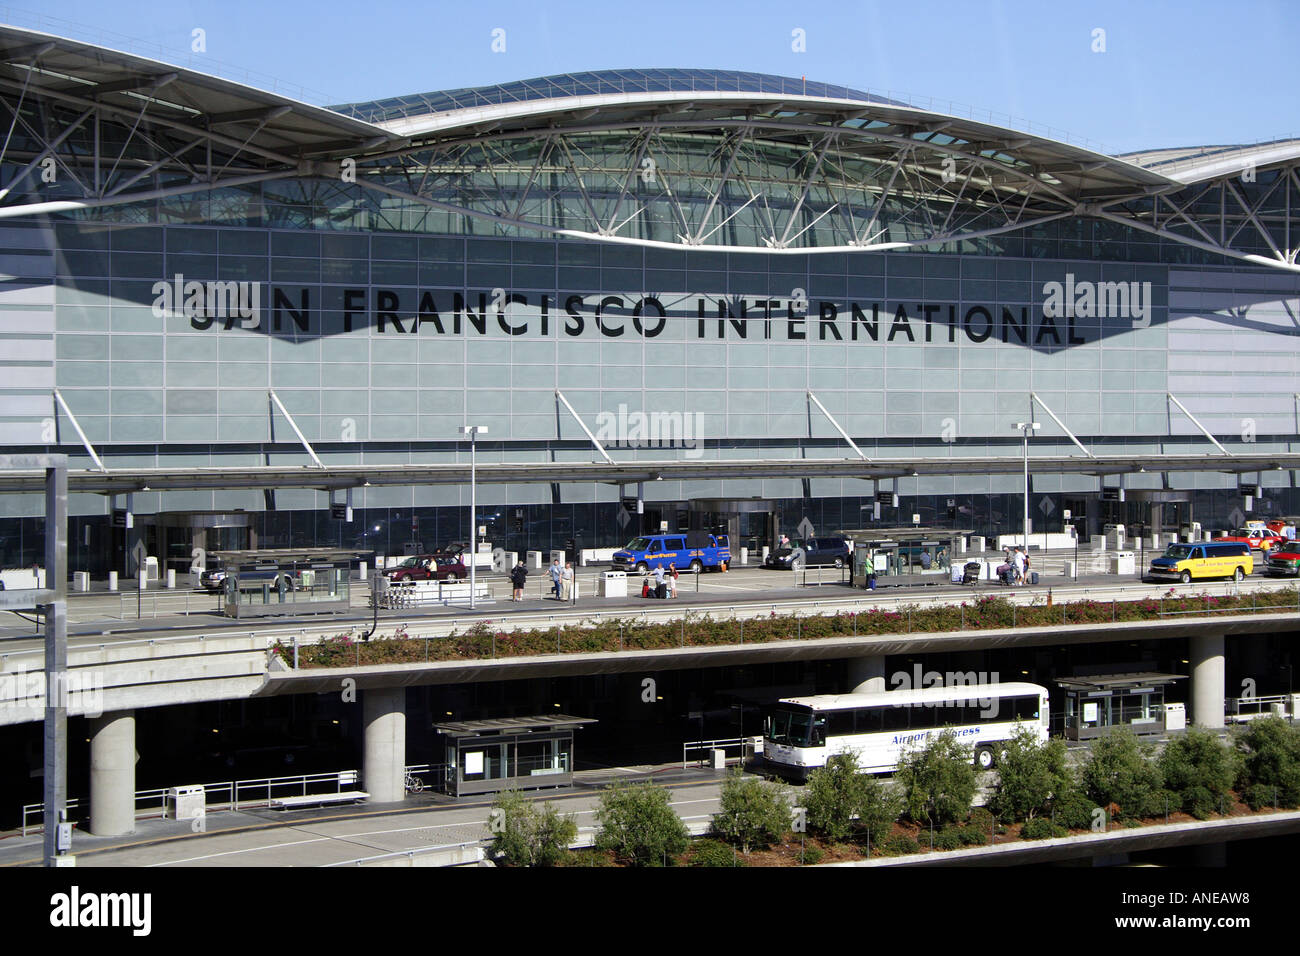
pixel 898 556
pixel 287 581
pixel 510 753
pixel 1096 705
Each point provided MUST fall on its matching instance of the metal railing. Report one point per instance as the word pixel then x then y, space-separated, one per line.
pixel 412 854
pixel 1242 709
pixel 746 746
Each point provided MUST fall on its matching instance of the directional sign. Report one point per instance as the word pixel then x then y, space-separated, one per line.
pixel 139 553
pixel 1046 507
pixel 622 518
pixel 805 528
pixel 1236 518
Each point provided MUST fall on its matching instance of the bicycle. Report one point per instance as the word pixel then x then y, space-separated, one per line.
pixel 414 784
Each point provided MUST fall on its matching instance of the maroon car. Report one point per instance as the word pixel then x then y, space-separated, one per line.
pixel 429 567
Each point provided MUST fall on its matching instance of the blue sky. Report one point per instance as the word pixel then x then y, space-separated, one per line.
pixel 1171 74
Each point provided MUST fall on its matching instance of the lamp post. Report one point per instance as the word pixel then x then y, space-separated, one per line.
pixel 473 431
pixel 1025 428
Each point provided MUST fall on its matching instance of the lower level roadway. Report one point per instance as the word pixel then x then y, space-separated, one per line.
pixel 273 838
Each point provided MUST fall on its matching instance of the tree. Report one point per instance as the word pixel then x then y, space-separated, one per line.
pixel 1200 769
pixel 750 812
pixel 526 836
pixel 1270 767
pixel 638 825
pixel 1030 776
pixel 834 795
pixel 839 792
pixel 938 780
pixel 1121 771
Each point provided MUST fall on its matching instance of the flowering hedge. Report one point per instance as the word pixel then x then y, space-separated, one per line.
pixel 484 641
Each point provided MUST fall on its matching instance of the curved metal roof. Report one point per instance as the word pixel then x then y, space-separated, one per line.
pixel 782 164
pixel 666 80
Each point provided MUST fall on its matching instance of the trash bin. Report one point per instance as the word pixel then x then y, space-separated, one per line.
pixel 613 584
pixel 185 803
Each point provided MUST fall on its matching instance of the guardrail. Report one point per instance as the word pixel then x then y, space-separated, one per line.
pixel 412 854
pixel 235 795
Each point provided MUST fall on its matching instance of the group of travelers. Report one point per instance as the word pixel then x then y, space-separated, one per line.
pixel 1015 567
pixel 665 585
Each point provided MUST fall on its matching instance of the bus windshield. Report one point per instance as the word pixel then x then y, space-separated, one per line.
pixel 795 728
pixel 1178 551
pixel 637 544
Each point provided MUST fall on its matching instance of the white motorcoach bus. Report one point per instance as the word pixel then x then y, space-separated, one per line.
pixel 801 733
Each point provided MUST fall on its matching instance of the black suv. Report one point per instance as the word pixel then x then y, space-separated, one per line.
pixel 817 551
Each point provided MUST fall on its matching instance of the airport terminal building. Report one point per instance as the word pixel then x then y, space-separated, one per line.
pixel 742 299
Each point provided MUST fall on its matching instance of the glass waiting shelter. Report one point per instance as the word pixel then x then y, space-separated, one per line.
pixel 1094 706
pixel 511 753
pixel 287 581
pixel 908 555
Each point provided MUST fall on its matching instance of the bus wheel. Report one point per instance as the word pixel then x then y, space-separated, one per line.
pixel 1187 577
pixel 697 565
pixel 984 758
pixel 1238 575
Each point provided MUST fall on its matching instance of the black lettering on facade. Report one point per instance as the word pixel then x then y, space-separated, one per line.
pixel 901 324
pixel 827 311
pixel 872 328
pixel 575 322
pixel 640 309
pixel 354 301
pixel 973 335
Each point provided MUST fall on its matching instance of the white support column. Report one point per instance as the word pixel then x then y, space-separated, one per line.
pixel 384 763
pixel 866 675
pixel 112 774
pixel 1207 664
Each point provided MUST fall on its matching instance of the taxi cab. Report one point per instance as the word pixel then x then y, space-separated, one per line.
pixel 1259 538
pixel 1210 559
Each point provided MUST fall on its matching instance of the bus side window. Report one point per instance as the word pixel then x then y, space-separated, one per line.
pixel 818 738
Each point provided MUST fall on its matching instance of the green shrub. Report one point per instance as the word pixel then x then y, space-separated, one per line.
pixel 811 856
pixel 839 792
pixel 971 835
pixel 949 838
pixel 523 835
pixel 899 845
pixel 1072 809
pixel 1040 828
pixel 937 780
pixel 638 825
pixel 1030 774
pixel 751 813
pixel 1198 771
pixel 1121 771
pixel 1270 764
pixel 833 796
pixel 715 853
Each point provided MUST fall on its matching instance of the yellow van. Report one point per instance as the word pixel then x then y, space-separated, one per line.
pixel 1211 559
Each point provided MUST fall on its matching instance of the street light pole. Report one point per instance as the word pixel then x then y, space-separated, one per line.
pixel 473 431
pixel 1025 429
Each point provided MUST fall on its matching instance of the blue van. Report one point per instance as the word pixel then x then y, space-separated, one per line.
pixel 689 550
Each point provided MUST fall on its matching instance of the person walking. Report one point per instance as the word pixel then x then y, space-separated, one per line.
pixel 672 580
pixel 1018 560
pixel 557 574
pixel 518 577
pixel 567 579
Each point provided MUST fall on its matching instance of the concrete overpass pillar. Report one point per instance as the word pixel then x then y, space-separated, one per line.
pixel 384 762
pixel 112 774
pixel 867 675
pixel 1207 665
